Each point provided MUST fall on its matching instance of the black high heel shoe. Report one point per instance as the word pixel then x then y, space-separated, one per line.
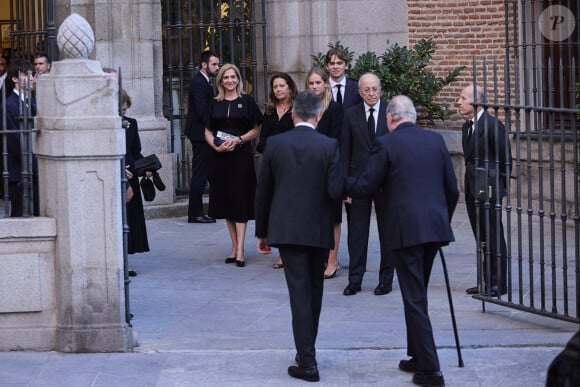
pixel 330 276
pixel 240 263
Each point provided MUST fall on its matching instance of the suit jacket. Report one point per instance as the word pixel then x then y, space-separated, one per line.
pixel 200 96
pixel 356 143
pixel 300 178
pixel 476 147
pixel 330 123
pixel 351 97
pixel 13 123
pixel 413 167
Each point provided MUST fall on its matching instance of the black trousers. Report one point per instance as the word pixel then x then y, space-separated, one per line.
pixel 200 165
pixel 413 266
pixel 359 220
pixel 304 272
pixel 492 247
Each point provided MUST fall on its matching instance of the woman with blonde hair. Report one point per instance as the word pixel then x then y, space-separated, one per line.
pixel 330 124
pixel 233 122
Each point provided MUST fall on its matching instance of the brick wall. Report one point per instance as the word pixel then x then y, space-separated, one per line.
pixel 461 29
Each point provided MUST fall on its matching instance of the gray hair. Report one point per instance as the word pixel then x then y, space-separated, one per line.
pixel 479 94
pixel 307 105
pixel 402 108
pixel 369 75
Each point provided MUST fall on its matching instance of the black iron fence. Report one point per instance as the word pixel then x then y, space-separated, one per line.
pixel 19 187
pixel 538 102
pixel 32 29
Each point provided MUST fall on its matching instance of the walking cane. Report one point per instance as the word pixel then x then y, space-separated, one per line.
pixel 459 358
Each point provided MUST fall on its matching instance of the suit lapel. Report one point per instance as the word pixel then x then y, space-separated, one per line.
pixel 362 124
pixel 478 133
pixel 382 119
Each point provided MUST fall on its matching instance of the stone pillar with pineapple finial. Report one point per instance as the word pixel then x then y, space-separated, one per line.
pixel 79 146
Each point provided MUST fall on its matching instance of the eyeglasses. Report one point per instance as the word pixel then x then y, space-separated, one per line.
pixel 368 90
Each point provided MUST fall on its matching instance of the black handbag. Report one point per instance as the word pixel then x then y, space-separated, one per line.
pixel 148 189
pixel 485 185
pixel 149 163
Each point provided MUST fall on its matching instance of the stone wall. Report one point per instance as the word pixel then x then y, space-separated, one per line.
pixel 461 30
pixel 27 284
pixel 298 29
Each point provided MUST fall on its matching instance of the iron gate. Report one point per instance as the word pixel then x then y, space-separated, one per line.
pixel 234 29
pixel 32 29
pixel 535 93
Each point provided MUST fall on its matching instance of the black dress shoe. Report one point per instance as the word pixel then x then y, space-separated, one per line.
pixel 383 289
pixel 297 360
pixel 428 378
pixel 351 289
pixel 211 220
pixel 132 273
pixel 408 365
pixel 494 292
pixel 310 374
pixel 473 290
pixel 201 219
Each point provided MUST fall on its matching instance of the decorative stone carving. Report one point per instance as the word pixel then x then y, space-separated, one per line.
pixel 75 37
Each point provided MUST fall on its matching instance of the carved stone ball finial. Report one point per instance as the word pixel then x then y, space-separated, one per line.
pixel 75 37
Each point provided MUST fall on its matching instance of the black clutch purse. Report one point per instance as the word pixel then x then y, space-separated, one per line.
pixel 149 163
pixel 148 189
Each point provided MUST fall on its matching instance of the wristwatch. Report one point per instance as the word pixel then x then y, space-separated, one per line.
pixel 241 140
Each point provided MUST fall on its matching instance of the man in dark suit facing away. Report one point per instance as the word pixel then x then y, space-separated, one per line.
pixel 414 170
pixel 200 96
pixel 360 126
pixel 300 179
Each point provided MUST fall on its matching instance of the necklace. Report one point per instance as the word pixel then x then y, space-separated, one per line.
pixel 281 110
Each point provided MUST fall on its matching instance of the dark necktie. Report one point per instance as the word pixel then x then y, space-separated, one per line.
pixel 469 130
pixel 371 123
pixel 338 94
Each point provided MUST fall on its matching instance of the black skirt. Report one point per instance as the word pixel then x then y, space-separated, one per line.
pixel 233 185
pixel 137 238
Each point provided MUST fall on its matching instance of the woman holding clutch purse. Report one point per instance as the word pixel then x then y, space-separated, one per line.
pixel 233 122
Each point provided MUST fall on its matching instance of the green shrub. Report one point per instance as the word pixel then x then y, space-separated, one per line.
pixel 403 71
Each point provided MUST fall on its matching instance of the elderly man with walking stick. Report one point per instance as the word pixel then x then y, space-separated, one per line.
pixel 414 170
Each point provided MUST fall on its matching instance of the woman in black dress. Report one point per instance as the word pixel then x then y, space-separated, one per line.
pixel 137 238
pixel 278 116
pixel 233 122
pixel 330 124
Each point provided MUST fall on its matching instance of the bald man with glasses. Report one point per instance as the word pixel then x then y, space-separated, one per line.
pixel 361 124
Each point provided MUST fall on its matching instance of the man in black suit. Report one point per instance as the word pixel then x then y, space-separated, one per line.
pixel 414 170
pixel 200 96
pixel 481 150
pixel 356 144
pixel 300 179
pixel 20 112
pixel 344 90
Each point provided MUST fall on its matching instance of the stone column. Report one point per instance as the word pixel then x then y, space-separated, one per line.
pixel 79 148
